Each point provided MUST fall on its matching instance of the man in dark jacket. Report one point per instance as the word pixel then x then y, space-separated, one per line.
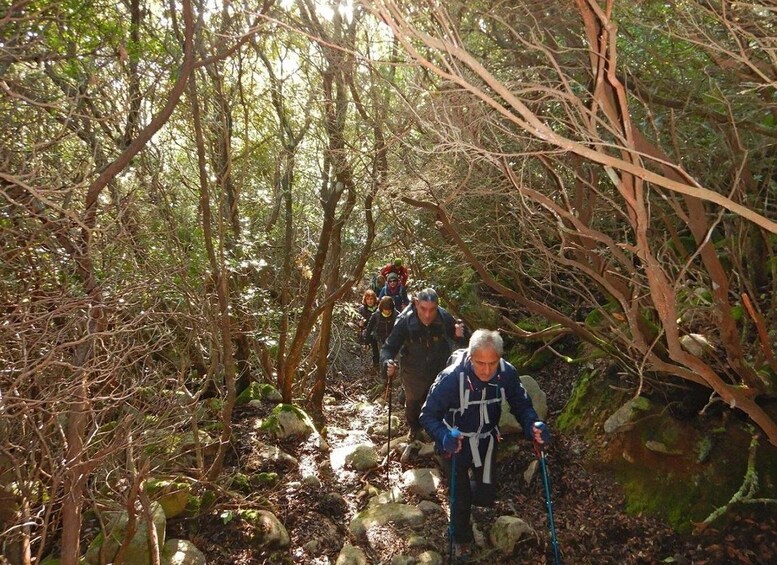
pixel 467 397
pixel 424 334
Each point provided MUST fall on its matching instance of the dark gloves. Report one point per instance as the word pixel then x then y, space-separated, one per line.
pixel 450 443
pixel 544 432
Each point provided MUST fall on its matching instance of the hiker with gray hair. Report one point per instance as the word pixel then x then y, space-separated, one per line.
pixel 422 339
pixel 462 412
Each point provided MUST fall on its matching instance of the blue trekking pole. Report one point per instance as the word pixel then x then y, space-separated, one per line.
pixel 539 450
pixel 455 433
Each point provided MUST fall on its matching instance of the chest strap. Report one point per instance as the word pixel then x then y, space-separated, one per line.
pixel 474 437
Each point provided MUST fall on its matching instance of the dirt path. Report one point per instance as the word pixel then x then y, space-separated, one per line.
pixel 591 525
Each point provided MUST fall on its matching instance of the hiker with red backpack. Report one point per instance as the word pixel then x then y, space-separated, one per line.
pixel 462 412
pixel 397 267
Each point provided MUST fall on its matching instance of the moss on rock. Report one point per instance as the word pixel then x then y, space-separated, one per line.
pixel 679 470
pixel 592 401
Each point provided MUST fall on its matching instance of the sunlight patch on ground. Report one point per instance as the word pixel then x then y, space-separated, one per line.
pixel 308 458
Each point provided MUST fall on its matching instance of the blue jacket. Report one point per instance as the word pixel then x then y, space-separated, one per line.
pixel 457 383
pixel 399 295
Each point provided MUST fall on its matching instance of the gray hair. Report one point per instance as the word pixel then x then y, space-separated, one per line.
pixel 486 338
pixel 428 295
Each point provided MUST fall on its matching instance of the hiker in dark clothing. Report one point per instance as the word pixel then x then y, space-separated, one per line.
pixel 368 307
pixel 396 291
pixel 423 338
pixel 382 322
pixel 377 282
pixel 467 396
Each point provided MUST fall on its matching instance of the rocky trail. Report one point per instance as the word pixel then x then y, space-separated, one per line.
pixel 318 511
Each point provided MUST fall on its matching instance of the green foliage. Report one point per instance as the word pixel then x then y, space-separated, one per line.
pixel 527 358
pixel 265 479
pixel 258 391
pixel 242 482
pixel 207 500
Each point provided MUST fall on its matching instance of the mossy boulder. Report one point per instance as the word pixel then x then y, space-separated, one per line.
pixel 258 391
pixel 269 532
pixel 671 482
pixel 351 555
pixel 165 447
pixel 626 414
pixel 506 531
pixel 527 358
pixel 174 496
pixel 362 457
pixel 678 468
pixel 104 547
pixel 287 420
pixel 265 479
pixel 594 398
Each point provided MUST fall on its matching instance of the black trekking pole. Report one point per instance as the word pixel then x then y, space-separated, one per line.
pixel 388 402
pixel 539 450
pixel 452 486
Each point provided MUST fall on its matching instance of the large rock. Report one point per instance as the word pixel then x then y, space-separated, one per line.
pixel 421 482
pixel 287 421
pixel 351 555
pixel 322 539
pixel 430 508
pixel 268 531
pixel 506 531
pixel 391 495
pixel 383 514
pixel 624 415
pixel 429 558
pixel 173 496
pixel 362 457
pixel 696 344
pixel 508 423
pixel 182 552
pixel 272 456
pixel 165 447
pixel 382 429
pixel 107 543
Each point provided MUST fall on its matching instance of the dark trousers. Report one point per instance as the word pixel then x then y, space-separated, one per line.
pixel 416 388
pixel 469 490
pixel 375 351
